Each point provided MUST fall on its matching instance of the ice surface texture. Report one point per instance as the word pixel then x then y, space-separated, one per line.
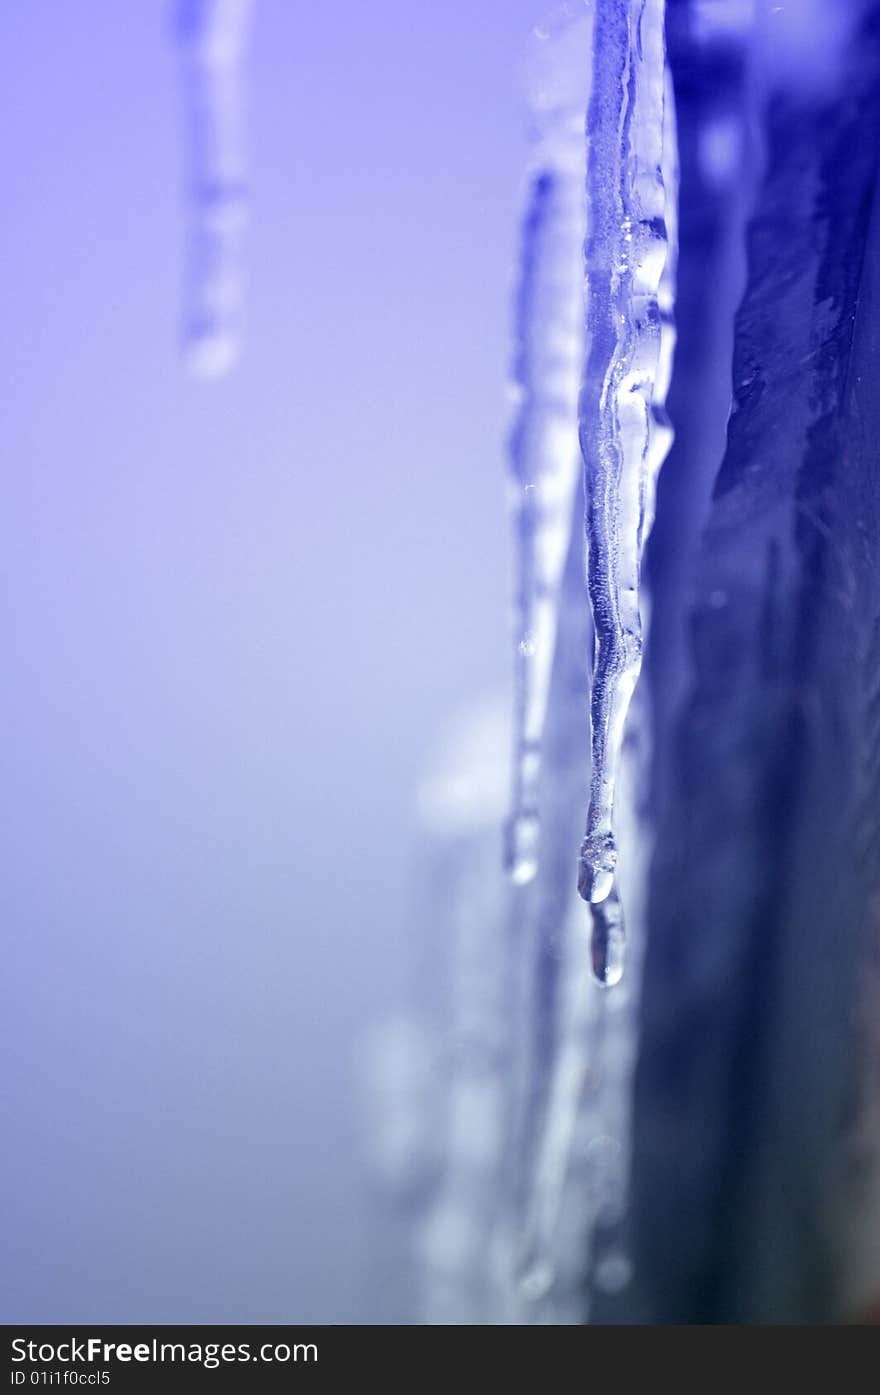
pixel 624 431
pixel 756 1140
pixel 549 349
pixel 593 361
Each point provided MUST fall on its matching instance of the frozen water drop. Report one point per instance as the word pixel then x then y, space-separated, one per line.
pixel 608 940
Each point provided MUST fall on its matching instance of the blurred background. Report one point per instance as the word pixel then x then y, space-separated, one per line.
pixel 235 618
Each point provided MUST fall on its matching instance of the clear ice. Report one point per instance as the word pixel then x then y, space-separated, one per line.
pixel 213 37
pixel 525 1218
pixel 594 341
pixel 528 1221
pixel 544 454
pixel 623 427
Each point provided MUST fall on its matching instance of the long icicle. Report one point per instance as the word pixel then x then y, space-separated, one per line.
pixel 549 355
pixel 624 433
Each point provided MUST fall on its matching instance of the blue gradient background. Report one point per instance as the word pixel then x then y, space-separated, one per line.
pixel 233 619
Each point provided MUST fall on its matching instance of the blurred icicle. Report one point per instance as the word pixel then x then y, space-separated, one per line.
pixel 549 334
pixel 571 1148
pixel 398 1071
pixel 459 805
pixel 624 430
pixel 437 1082
pixel 213 37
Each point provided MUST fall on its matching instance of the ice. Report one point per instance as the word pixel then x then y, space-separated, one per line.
pixel 624 431
pixel 213 37
pixel 549 336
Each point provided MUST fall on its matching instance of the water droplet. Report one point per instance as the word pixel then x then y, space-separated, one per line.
pixel 608 941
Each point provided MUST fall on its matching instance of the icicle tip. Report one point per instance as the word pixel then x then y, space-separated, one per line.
pixel 608 942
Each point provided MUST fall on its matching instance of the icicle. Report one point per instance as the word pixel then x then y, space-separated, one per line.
pixel 213 36
pixel 544 447
pixel 624 433
pixel 608 940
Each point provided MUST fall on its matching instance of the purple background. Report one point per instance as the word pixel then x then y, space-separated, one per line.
pixel 233 619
